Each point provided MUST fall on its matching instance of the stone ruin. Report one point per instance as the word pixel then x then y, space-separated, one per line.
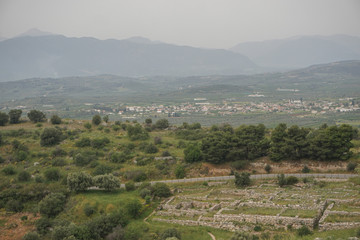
pixel 222 209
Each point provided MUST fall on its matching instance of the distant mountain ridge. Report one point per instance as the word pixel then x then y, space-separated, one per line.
pixel 299 52
pixel 60 56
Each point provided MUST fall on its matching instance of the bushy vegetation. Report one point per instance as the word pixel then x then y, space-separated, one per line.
pixel 36 116
pixel 58 178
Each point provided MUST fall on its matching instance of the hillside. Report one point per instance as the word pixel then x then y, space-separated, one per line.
pixel 301 51
pixel 39 191
pixel 60 56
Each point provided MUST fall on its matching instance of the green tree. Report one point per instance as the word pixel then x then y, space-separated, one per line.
pixel 50 137
pixel 79 181
pixel 161 190
pixel 332 143
pixel 250 142
pixel 192 153
pixel 4 119
pixel 162 124
pixel 137 132
pixel 96 120
pixel 36 116
pixel 278 145
pixel 106 118
pixel 14 115
pixel 148 121
pixel 107 182
pixel 180 171
pixel 52 204
pixel 242 180
pixel 55 119
pixel 216 146
pixel 133 208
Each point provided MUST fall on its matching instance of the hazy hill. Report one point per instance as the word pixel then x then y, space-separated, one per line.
pixel 300 52
pixel 59 56
pixel 337 79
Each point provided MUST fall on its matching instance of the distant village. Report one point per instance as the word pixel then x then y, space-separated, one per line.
pixel 231 107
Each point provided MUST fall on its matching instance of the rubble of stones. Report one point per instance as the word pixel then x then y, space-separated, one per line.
pixel 226 207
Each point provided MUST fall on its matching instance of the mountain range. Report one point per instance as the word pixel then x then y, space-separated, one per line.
pixel 59 56
pixel 299 52
pixel 37 54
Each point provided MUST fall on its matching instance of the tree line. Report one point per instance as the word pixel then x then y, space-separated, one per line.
pixel 248 142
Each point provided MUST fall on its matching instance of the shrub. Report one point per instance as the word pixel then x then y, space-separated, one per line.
pixel 58 152
pixel 192 153
pixel 137 132
pixel 243 236
pixel 291 180
pixel 89 210
pixel 14 115
pixel 83 142
pixel 144 192
pixel 281 180
pixel 180 171
pixel 96 120
pixel 107 182
pixel 151 148
pixel 116 128
pixel 117 233
pixel 50 137
pixel 31 236
pixel 162 124
pixel 242 180
pixel 305 169
pixel 351 166
pixel 55 119
pixel 36 116
pixel 9 170
pixel 14 206
pixel 239 164
pixel 303 231
pixel 87 125
pixel 99 142
pixel 58 162
pixel 170 232
pixel 130 186
pixel 24 176
pixel 117 157
pixel 79 181
pixel 84 158
pixel 133 208
pixel 102 169
pixel 52 174
pixel 267 168
pixel 43 225
pixel 39 179
pixel 52 204
pixel 20 156
pixel 4 119
pixel 161 190
pixel 136 175
pixel 24 218
pixel 257 228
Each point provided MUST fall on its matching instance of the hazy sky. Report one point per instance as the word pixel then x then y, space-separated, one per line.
pixel 201 23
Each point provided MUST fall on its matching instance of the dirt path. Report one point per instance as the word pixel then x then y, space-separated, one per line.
pixel 212 236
